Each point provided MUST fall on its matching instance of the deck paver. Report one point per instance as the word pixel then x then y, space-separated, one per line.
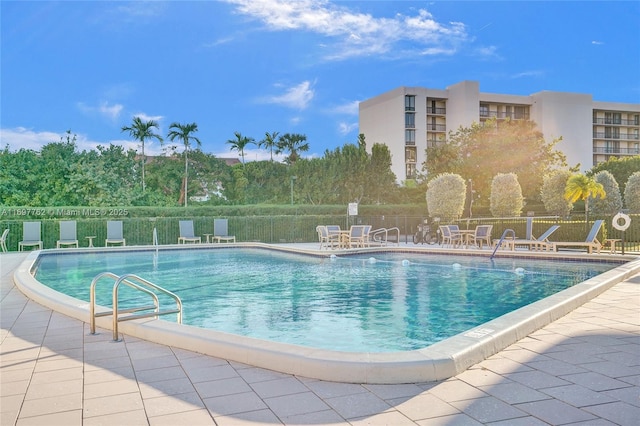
pixel 583 368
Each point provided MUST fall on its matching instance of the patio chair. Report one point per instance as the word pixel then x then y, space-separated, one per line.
pixel 187 234
pixel 221 231
pixel 3 240
pixel 542 242
pixel 68 234
pixel 31 235
pixel 327 240
pixel 359 235
pixel 114 233
pixel 591 242
pixel 481 236
pixel 454 235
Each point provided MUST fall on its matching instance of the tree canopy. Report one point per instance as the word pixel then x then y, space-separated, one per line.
pixel 482 151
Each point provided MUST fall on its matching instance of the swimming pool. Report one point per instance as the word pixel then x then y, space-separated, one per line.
pixel 358 303
pixel 405 281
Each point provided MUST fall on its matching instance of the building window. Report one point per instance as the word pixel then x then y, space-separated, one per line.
pixel 410 137
pixel 409 103
pixel 617 118
pixel 410 170
pixel 409 120
pixel 636 120
pixel 410 155
pixel 520 112
pixel 484 110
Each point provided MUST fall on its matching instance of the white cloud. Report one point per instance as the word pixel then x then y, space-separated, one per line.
pixel 599 43
pixel 23 138
pixel 298 96
pixel 532 73
pixel 346 128
pixel 356 34
pixel 350 108
pixel 111 112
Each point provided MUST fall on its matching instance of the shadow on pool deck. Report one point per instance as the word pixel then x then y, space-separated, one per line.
pixel 584 367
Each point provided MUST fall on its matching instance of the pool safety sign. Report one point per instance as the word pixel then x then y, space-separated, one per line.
pixel 353 209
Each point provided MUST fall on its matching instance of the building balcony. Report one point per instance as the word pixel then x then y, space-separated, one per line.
pixel 504 115
pixel 617 151
pixel 436 111
pixel 409 143
pixel 616 121
pixel 436 127
pixel 619 136
pixel 433 143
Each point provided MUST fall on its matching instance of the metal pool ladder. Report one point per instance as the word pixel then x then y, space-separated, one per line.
pixel 504 234
pixel 137 283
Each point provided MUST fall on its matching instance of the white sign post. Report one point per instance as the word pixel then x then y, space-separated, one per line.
pixel 352 210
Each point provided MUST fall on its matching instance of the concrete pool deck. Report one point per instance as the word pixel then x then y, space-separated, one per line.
pixel 582 368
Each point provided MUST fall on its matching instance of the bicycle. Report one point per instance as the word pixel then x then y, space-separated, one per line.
pixel 423 235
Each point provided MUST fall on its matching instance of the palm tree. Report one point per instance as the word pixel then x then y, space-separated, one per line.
pixel 140 131
pixel 581 187
pixel 240 143
pixel 269 142
pixel 292 143
pixel 183 132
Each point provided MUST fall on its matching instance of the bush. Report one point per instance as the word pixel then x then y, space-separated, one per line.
pixel 506 195
pixel 446 195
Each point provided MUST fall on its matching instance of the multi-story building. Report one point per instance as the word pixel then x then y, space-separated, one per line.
pixel 409 119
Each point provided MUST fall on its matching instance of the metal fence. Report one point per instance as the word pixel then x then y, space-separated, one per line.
pixel 289 229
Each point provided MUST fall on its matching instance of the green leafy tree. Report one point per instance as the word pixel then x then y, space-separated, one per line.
pixel 20 176
pixel 620 168
pixel 380 181
pixel 184 133
pixel 270 142
pixel 240 143
pixel 445 196
pixel 632 193
pixel 552 193
pixel 506 195
pixel 142 131
pixel 582 187
pixel 612 203
pixel 482 151
pixel 294 144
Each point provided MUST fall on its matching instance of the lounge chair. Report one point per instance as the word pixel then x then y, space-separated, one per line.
pixel 591 242
pixel 481 236
pixel 328 240
pixel 3 240
pixel 114 233
pixel 533 243
pixel 187 234
pixel 68 234
pixel 221 231
pixel 31 235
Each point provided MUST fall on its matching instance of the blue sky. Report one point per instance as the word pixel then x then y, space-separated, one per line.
pixel 257 66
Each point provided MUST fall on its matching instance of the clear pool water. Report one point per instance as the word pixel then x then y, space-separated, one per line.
pixel 362 303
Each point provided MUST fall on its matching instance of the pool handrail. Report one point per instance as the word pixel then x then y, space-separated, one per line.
pixel 504 235
pixel 127 280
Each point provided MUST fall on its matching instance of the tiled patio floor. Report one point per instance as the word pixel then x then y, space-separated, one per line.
pixel 581 369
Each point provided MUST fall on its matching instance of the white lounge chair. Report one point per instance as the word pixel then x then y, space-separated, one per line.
pixel 3 240
pixel 187 234
pixel 68 234
pixel 221 231
pixel 533 243
pixel 31 235
pixel 114 233
pixel 591 242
